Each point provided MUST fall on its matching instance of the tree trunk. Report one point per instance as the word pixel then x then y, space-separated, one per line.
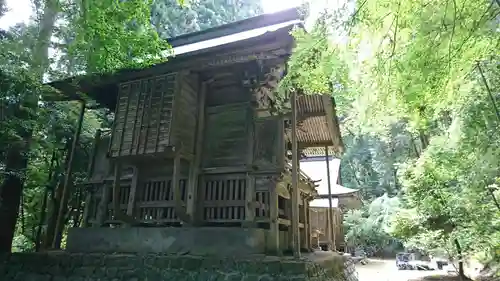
pixel 17 162
pixel 461 273
pixel 10 195
pixel 424 139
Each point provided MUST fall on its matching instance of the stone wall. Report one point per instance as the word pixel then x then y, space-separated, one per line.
pixel 168 240
pixel 118 267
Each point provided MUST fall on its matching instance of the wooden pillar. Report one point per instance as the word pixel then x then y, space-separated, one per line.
pixel 115 198
pixel 274 244
pixel 43 212
pixel 90 171
pixel 192 195
pixel 295 179
pixel 250 179
pixel 176 189
pixel 56 243
pixel 303 213
pixel 288 213
pixel 307 224
pixel 330 207
pixel 102 211
pixel 250 200
pixel 86 209
pixel 133 192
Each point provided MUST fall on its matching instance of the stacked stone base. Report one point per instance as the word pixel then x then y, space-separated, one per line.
pixel 115 267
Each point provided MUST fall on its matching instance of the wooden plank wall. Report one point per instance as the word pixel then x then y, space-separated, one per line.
pixel 319 220
pixel 143 116
pixel 267 143
pixel 185 112
pixel 225 139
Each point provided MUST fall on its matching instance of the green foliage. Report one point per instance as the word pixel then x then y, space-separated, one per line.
pixel 172 20
pixel 111 35
pixel 368 227
pixel 88 36
pixel 315 67
pixel 419 120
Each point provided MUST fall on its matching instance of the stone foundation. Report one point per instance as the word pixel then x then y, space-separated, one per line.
pixel 212 241
pixel 118 267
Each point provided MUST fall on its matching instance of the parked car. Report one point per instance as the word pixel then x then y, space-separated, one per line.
pixel 409 262
pixel 403 261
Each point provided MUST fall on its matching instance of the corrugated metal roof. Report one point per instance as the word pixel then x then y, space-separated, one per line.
pixel 313 131
pixel 314 128
pixel 307 104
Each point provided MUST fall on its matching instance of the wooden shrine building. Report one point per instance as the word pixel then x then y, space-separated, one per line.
pixel 197 153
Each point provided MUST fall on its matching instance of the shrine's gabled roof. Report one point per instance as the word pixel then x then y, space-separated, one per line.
pixel 251 34
pixel 257 38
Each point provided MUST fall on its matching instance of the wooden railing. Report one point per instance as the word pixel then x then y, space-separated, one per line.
pixel 156 200
pixel 223 198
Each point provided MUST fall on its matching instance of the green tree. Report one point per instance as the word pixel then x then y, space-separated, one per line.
pixel 417 86
pixel 171 19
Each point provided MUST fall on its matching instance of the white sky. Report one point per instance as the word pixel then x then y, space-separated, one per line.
pixel 19 10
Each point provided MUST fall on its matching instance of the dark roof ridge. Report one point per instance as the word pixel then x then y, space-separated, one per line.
pixel 236 27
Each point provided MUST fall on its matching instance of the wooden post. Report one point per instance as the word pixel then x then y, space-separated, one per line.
pixel 133 192
pixel 86 209
pixel 274 245
pixel 250 200
pixel 305 210
pixel 180 211
pixel 90 171
pixel 116 190
pixel 250 179
pixel 288 213
pixel 97 140
pixel 192 194
pixel 56 243
pixel 308 225
pixel 102 211
pixel 330 207
pixel 295 180
pixel 38 240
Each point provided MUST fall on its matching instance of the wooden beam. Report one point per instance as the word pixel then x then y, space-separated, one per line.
pixel 303 145
pixel 56 243
pixel 295 179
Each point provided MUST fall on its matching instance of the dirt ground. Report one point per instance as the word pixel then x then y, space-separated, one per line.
pixel 385 270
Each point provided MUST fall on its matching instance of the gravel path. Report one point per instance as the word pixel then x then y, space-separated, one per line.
pixel 386 270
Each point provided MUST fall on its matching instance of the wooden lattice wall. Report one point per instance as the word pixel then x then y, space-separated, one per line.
pixel 154 113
